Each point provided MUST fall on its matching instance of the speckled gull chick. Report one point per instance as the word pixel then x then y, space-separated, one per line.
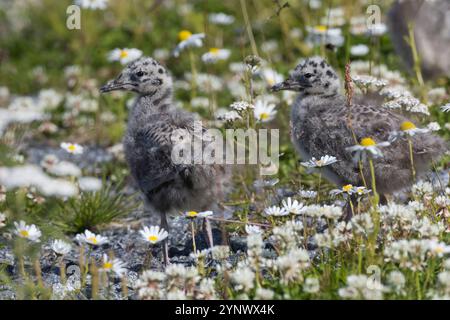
pixel 167 186
pixel 320 125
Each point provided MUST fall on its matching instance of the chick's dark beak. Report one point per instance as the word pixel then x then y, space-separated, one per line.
pixel 111 86
pixel 287 84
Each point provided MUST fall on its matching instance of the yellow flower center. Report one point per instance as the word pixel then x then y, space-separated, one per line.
pixel 184 35
pixel 264 116
pixel 367 142
pixel 152 238
pixel 24 233
pixel 319 163
pixel 360 190
pixel 347 188
pixel 107 265
pixel 71 148
pixel 407 125
pixel 192 214
pixel 439 250
pixel 92 240
pixel 123 54
pixel 321 28
pixel 214 50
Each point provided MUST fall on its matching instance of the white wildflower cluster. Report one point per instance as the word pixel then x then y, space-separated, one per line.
pixel 288 235
pixel 362 224
pixel 367 82
pixel 228 116
pixel 241 106
pixel 412 254
pixel 243 278
pixel 404 220
pixel 331 212
pixel 335 236
pixel 422 189
pixel 291 265
pixel 362 287
pixel 396 282
pixel 442 291
pixel 403 99
pixel 177 282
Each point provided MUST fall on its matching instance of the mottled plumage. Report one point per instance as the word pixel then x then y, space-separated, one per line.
pixel 166 185
pixel 322 124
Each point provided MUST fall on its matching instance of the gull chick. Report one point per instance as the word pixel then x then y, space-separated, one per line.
pixel 323 124
pixel 166 185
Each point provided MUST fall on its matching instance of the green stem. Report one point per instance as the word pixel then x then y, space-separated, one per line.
pixel 249 28
pixel 411 158
pixel 194 247
pixel 318 188
pixel 418 288
pixel 194 74
pixel 376 198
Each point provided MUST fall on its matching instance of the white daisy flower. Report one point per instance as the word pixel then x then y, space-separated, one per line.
pixel 293 207
pixel 359 50
pixel 91 238
pixel 221 18
pixel 191 214
pixel 204 214
pixel 61 247
pixel 360 191
pixel 446 107
pixel 271 77
pixel 154 234
pixel 407 128
pixel 276 211
pixel 322 162
pixel 264 111
pixel 307 194
pixel 367 146
pixel 115 265
pixel 72 148
pixel 92 4
pixel 347 189
pixel 438 248
pixel 215 54
pixel 30 232
pixel 188 40
pixel 125 55
pixel 253 229
pixel 410 128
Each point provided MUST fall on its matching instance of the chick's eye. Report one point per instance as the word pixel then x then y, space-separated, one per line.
pixel 140 73
pixel 308 75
